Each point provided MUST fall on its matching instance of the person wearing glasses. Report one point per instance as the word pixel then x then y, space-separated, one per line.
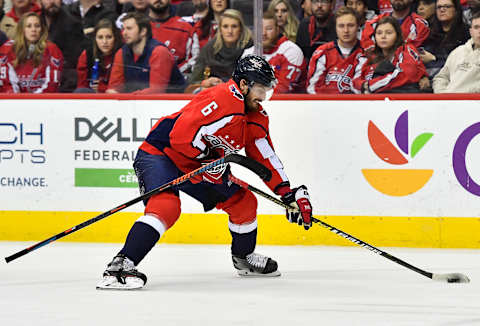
pixel 447 32
pixel 317 29
pixel 461 72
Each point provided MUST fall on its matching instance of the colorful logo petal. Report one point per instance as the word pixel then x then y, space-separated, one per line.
pixel 383 147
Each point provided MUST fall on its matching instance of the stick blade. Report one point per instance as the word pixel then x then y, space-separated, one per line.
pixel 451 278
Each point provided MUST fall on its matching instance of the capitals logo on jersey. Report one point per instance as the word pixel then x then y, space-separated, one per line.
pixel 220 144
pixel 344 82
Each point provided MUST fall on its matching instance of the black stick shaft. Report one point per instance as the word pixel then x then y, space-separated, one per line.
pixel 333 229
pixel 97 218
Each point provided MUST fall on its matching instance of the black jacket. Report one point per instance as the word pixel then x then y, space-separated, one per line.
pixel 321 35
pixel 93 15
pixel 67 33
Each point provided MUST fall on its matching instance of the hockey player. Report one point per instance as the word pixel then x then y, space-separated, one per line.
pixel 335 64
pixel 30 63
pixel 282 54
pixel 393 66
pixel 217 121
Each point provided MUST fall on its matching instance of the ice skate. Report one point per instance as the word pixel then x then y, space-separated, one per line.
pixel 256 265
pixel 122 275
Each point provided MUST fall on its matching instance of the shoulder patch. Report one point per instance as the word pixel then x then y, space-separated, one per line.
pixel 236 93
pixel 413 53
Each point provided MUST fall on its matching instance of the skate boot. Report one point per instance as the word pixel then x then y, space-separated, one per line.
pixel 255 265
pixel 121 275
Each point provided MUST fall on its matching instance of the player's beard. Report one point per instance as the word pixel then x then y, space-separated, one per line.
pixel 159 10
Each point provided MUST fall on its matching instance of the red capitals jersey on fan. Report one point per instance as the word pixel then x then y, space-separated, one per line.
pixel 176 34
pixel 215 119
pixel 329 72
pixel 26 78
pixel 415 30
pixel 288 62
pixel 409 69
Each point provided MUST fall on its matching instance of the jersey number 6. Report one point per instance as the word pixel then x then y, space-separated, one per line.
pixel 209 108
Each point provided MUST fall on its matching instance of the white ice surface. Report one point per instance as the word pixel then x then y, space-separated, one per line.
pixel 196 285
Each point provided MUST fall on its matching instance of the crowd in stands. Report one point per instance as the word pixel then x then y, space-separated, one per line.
pixel 185 46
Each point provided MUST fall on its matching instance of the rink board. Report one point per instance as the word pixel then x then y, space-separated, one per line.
pixel 392 172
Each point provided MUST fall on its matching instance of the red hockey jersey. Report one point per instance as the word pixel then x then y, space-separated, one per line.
pixel 177 35
pixel 215 119
pixel 288 62
pixel 414 29
pixel 329 72
pixel 26 78
pixel 203 39
pixel 409 69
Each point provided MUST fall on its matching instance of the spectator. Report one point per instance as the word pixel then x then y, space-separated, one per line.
pixel 107 40
pixel 66 32
pixel 426 10
pixel 9 21
pixel 201 10
pixel 318 29
pixel 286 18
pixel 415 28
pixel 21 7
pixel 472 7
pixel 30 63
pixel 217 59
pixel 282 54
pixel 305 9
pixel 172 31
pixel 461 72
pixel 206 28
pixel 447 32
pixel 143 65
pixel 141 6
pixel 364 14
pixel 90 12
pixel 335 64
pixel 392 66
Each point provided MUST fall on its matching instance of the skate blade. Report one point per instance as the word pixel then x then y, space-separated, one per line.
pixel 244 273
pixel 111 283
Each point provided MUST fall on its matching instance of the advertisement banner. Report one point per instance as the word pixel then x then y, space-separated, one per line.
pixel 357 158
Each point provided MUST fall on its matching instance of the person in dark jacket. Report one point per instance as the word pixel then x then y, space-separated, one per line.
pixel 318 29
pixel 90 12
pixel 67 33
pixel 447 32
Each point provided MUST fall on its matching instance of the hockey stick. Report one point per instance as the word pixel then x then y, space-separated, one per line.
pixel 246 162
pixel 449 278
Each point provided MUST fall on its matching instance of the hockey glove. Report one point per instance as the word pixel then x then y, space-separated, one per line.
pixel 301 213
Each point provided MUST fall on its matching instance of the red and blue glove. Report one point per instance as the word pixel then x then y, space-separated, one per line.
pixel 301 211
